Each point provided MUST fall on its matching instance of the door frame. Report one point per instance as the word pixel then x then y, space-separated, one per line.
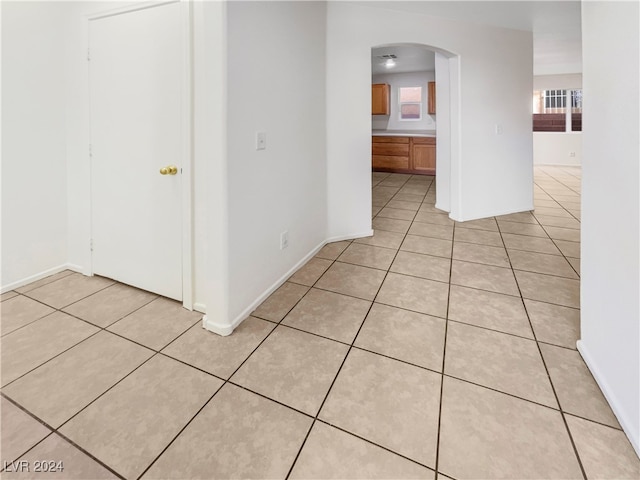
pixel 186 135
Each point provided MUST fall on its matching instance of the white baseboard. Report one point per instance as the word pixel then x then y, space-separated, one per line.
pixel 77 268
pixel 339 238
pixel 227 329
pixel 200 307
pixel 221 329
pixel 630 429
pixel 440 208
pixel 495 214
pixel 256 303
pixel 39 276
pixel 578 164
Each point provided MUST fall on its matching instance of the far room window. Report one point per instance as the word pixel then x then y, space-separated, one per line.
pixel 550 113
pixel 555 101
pixel 410 100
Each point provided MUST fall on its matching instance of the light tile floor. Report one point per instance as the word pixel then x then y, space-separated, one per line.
pixel 433 346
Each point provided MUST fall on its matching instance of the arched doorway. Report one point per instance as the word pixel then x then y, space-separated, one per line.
pixel 422 64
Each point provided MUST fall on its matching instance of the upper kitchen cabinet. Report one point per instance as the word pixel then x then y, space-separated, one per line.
pixel 431 106
pixel 380 99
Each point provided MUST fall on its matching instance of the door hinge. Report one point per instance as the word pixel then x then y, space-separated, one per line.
pixel 90 150
pixel 91 244
pixel 88 54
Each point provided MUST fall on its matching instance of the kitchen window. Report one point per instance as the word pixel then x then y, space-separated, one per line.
pixel 410 103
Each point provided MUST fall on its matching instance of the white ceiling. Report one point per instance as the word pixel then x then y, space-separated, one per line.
pixel 410 59
pixel 556 27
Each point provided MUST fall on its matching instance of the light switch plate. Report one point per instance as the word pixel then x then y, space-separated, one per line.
pixel 261 141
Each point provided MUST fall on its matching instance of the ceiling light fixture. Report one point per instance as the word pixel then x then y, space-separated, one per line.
pixel 390 63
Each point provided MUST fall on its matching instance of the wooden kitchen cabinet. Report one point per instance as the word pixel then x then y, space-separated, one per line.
pixel 380 93
pixel 431 102
pixel 423 155
pixel 390 153
pixel 404 154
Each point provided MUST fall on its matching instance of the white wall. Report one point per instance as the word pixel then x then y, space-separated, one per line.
pixel 281 188
pixel 610 326
pixel 396 81
pixel 46 216
pixel 557 82
pixel 276 84
pixel 495 88
pixel 446 69
pixel 210 176
pixel 555 148
pixel 34 198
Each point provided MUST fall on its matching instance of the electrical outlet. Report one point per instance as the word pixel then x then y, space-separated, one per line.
pixel 499 129
pixel 284 240
pixel 572 154
pixel 261 141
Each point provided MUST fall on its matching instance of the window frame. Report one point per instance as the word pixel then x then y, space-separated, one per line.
pixel 555 103
pixel 421 104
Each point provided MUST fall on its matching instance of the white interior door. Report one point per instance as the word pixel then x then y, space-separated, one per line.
pixel 136 87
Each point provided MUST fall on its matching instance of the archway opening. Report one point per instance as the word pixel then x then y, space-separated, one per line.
pixel 415 116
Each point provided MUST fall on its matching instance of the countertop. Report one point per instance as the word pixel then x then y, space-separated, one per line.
pixel 403 133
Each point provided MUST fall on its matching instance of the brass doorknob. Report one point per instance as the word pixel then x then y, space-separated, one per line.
pixel 169 170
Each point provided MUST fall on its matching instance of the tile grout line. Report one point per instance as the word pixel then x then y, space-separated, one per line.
pixel 187 330
pixel 579 194
pixel 225 382
pixel 553 240
pixel 106 328
pixel 481 327
pixel 277 324
pixel 545 191
pixel 556 245
pixel 306 414
pixel 100 329
pixel 171 442
pixel 27 412
pixel 75 301
pixel 228 379
pixel 548 237
pixel 337 427
pixel 71 272
pixel 486 245
pixel 54 431
pixel 48 360
pixel 553 389
pixel 115 284
pixel 61 310
pixel 107 390
pixel 351 346
pixel 427 369
pixel 432 315
pixel 152 356
pixel 444 353
pixel 27 324
pixel 439 281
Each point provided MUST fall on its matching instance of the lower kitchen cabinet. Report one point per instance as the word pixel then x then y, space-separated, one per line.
pixel 404 154
pixel 423 155
pixel 390 153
